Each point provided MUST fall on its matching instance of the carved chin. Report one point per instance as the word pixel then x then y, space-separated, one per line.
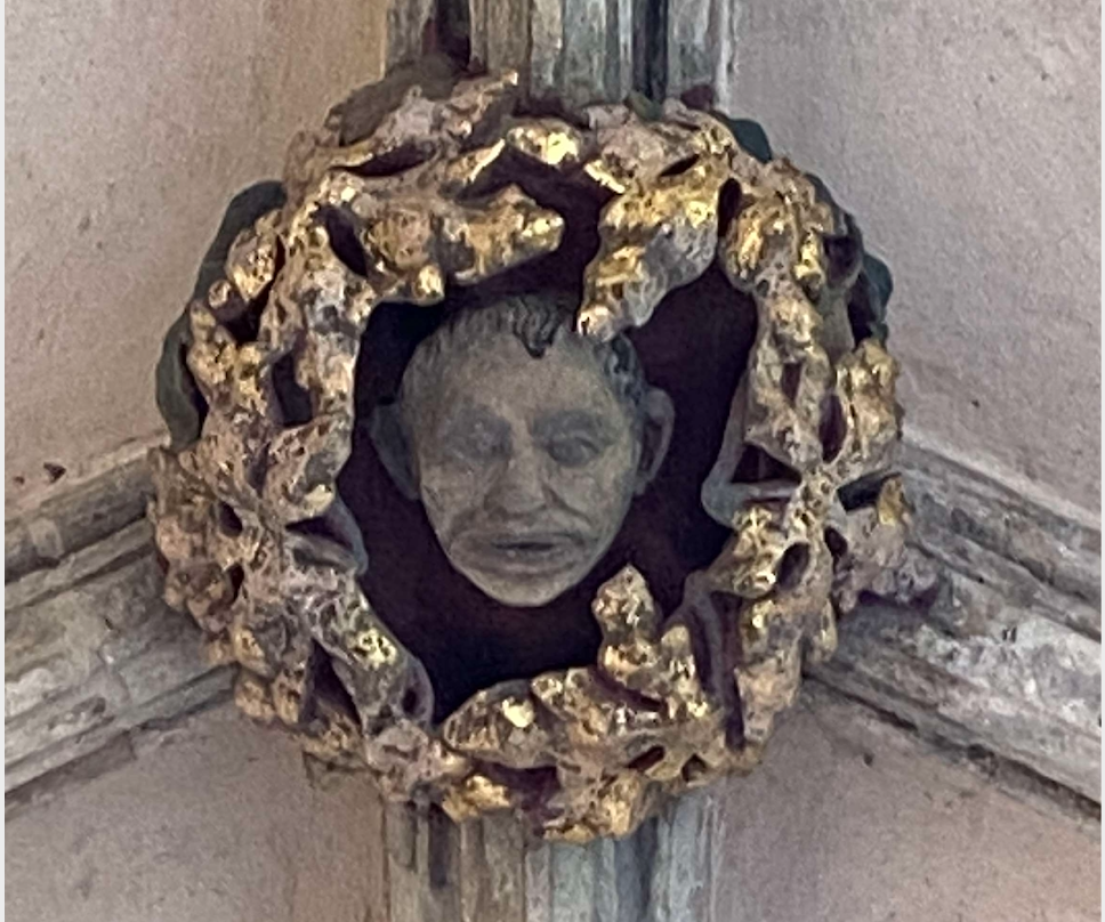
pixel 530 592
pixel 522 589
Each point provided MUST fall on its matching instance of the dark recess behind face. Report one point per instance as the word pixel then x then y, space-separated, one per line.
pixel 695 348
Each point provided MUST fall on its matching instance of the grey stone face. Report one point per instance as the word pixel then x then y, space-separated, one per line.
pixel 527 445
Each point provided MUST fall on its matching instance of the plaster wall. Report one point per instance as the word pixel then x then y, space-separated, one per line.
pixel 966 139
pixel 129 127
pixel 847 820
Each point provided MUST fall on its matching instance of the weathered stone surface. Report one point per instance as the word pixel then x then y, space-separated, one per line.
pixel 963 672
pixel 1032 696
pixel 95 703
pixel 58 641
pixel 209 688
pixel 44 786
pixel 75 518
pixel 487 870
pixel 407 21
pixel 114 550
pixel 850 820
pixel 392 213
pixel 171 660
pixel 50 649
pixel 702 43
pixel 578 51
pixel 983 530
pixel 92 651
pixel 986 590
pixel 1007 657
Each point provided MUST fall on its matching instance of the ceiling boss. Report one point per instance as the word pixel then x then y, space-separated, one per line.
pixel 522 461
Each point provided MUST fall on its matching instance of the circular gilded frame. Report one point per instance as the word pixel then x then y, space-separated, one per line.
pixel 383 204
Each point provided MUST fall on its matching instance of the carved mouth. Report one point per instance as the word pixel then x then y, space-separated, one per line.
pixel 530 553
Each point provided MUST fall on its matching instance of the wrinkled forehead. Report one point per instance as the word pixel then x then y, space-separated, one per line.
pixel 498 373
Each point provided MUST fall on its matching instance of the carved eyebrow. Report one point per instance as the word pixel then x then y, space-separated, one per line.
pixel 573 422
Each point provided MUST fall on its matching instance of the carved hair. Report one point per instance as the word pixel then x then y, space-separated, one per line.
pixel 535 319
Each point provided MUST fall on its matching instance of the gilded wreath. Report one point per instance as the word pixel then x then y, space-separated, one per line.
pixel 404 198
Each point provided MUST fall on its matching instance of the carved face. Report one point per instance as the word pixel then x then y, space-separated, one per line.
pixel 527 466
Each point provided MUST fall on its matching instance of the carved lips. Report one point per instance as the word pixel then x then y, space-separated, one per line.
pixel 514 552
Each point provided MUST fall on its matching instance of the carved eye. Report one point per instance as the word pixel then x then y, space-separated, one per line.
pixel 573 451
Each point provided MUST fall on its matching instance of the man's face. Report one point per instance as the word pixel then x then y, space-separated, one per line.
pixel 526 466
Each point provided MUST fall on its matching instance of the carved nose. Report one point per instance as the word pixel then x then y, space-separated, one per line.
pixel 519 489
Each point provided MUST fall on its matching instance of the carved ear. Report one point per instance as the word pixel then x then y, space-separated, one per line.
pixel 390 441
pixel 659 421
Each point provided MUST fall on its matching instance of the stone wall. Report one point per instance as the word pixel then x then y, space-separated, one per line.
pixel 111 206
pixel 1004 664
pixel 129 127
pixel 967 141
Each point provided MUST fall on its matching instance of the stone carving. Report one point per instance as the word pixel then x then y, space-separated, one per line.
pixel 406 196
pixel 526 442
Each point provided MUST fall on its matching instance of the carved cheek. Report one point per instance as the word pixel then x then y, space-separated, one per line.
pixel 450 491
pixel 599 490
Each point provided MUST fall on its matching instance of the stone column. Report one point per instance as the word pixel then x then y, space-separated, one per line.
pixel 581 51
pixel 489 871
pixel 700 38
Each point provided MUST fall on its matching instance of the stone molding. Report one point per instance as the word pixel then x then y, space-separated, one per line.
pixel 1004 662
